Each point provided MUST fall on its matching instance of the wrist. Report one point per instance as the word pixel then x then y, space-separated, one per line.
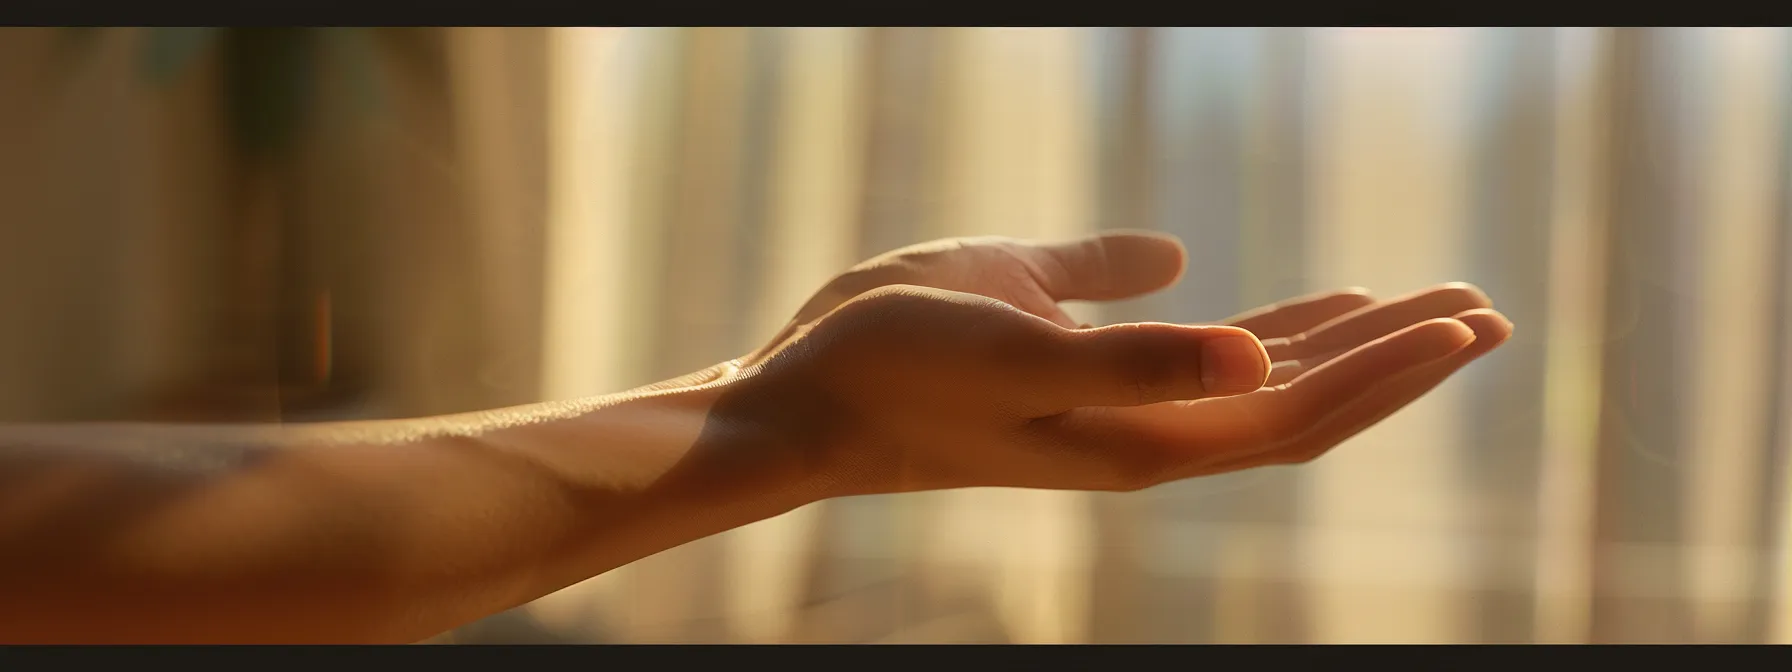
pixel 758 445
pixel 707 457
pixel 655 468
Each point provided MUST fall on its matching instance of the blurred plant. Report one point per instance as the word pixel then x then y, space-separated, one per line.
pixel 272 85
pixel 270 76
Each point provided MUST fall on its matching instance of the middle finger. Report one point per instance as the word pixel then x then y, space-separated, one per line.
pixel 1366 324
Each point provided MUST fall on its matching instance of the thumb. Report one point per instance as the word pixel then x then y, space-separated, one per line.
pixel 1106 267
pixel 1150 362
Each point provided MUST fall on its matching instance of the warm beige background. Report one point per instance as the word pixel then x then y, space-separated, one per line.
pixel 554 213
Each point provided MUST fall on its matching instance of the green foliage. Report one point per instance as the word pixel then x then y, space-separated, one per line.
pixel 269 76
pixel 168 51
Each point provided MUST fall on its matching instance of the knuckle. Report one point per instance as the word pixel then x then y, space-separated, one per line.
pixel 846 287
pixel 888 300
pixel 914 317
pixel 861 280
pixel 860 323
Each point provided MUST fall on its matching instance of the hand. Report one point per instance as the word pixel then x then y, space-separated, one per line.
pixel 950 364
pixel 1030 276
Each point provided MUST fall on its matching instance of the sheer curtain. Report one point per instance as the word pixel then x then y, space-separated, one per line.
pixel 1616 473
pixel 551 213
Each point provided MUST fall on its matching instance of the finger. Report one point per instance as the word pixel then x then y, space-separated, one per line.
pixel 1287 370
pixel 1036 367
pixel 1110 266
pixel 1294 316
pixel 1180 440
pixel 1322 391
pixel 1491 330
pixel 1144 363
pixel 1369 323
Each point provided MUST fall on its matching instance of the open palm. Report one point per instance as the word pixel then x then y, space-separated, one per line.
pixel 1342 360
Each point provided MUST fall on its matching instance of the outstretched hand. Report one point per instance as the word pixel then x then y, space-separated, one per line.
pixel 945 365
pixel 951 364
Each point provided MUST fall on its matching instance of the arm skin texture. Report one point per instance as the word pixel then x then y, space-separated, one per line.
pixel 943 365
pixel 386 531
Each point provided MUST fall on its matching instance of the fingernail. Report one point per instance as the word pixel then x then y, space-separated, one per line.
pixel 1233 364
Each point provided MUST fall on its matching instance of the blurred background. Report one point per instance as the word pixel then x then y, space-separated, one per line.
pixel 303 224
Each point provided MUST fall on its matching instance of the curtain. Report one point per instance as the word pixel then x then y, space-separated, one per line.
pixel 1614 474
pixel 536 214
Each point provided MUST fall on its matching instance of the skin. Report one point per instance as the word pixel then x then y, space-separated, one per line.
pixel 945 365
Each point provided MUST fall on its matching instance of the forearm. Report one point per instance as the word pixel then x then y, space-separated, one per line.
pixel 383 531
